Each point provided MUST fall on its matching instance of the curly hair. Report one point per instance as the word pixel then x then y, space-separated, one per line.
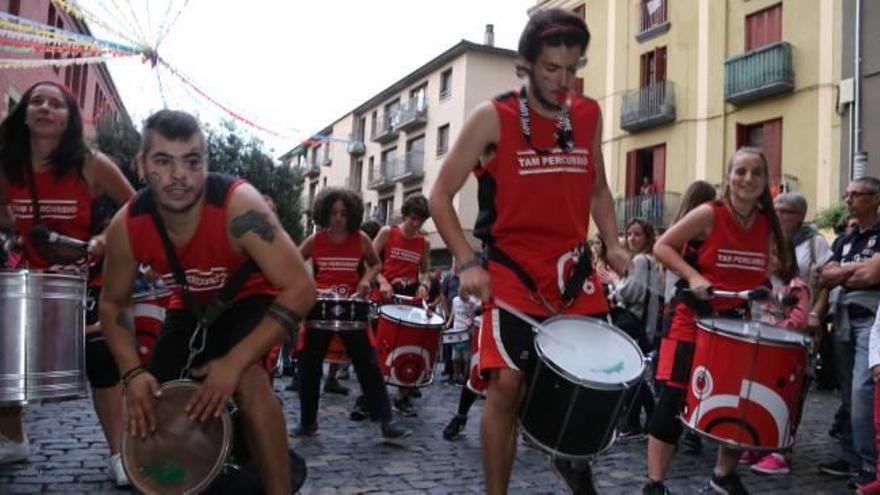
pixel 323 205
pixel 15 139
pixel 647 229
pixel 552 27
pixel 415 205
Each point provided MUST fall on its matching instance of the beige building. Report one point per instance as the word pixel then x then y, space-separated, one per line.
pixel 683 83
pixel 393 145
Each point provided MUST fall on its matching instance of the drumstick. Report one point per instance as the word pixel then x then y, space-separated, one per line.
pixel 537 327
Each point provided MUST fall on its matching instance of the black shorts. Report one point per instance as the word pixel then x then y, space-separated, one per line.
pixel 93 295
pixel 172 347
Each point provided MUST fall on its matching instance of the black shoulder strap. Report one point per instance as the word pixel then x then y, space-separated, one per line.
pixel 221 300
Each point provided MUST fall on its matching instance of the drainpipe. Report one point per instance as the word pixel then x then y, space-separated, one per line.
pixel 858 157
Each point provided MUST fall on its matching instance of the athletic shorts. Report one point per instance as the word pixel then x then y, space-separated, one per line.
pixel 172 347
pixel 675 362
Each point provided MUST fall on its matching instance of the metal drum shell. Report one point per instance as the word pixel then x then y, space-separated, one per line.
pixel 42 354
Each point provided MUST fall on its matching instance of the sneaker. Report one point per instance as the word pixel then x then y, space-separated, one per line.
pixel 628 432
pixel 404 407
pixel 872 488
pixel 301 430
pixel 728 485
pixel 332 386
pixel 654 488
pixel 861 479
pixel 774 463
pixel 116 471
pixel 580 482
pixel 691 443
pixel 393 431
pixel 453 429
pixel 839 468
pixel 13 451
pixel 750 457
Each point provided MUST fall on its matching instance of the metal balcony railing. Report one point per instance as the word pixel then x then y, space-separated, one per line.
pixel 412 115
pixel 386 132
pixel 658 208
pixel 380 177
pixel 648 107
pixel 652 22
pixel 766 71
pixel 356 145
pixel 412 167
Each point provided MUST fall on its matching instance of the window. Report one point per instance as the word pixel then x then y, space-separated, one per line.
pixel 374 119
pixel 653 67
pixel 651 13
pixel 361 128
pixel 81 89
pixel 388 164
pixel 390 116
pixel 766 135
pixel 442 139
pixel 385 209
pixel 357 171
pixel 764 27
pixel 415 154
pixel 418 96
pixel 98 106
pixel 645 181
pixel 368 210
pixel 445 84
pixel 324 183
pixel 14 7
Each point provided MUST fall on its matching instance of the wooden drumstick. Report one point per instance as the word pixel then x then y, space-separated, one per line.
pixel 537 327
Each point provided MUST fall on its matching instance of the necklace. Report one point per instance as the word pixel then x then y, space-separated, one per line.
pixel 564 132
pixel 743 219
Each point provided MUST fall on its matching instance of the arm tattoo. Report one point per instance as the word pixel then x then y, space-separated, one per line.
pixel 124 320
pixel 284 316
pixel 253 221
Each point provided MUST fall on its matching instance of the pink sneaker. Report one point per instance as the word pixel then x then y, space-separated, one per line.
pixel 872 488
pixel 749 457
pixel 772 464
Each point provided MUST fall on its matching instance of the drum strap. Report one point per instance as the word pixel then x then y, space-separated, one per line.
pixel 583 269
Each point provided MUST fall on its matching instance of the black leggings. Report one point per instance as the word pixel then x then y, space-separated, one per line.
pixel 665 424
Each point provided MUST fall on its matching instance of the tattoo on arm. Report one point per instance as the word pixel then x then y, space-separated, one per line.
pixel 253 221
pixel 124 321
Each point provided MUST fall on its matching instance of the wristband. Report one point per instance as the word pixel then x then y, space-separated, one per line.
pixel 467 265
pixel 137 370
pixel 284 316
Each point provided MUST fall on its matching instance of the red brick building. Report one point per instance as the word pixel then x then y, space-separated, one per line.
pixel 91 83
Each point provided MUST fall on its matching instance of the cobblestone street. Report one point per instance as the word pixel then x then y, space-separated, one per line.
pixel 69 455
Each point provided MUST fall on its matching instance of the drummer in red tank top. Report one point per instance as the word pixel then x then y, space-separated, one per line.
pixel 42 140
pixel 215 224
pixel 738 230
pixel 344 265
pixel 538 159
pixel 406 259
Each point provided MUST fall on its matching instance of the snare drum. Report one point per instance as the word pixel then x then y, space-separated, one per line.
pixel 748 383
pixel 408 341
pixel 42 351
pixel 148 309
pixel 586 375
pixel 181 456
pixel 336 313
pixel 453 336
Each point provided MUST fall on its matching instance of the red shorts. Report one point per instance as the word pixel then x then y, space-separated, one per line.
pixel 506 342
pixel 674 362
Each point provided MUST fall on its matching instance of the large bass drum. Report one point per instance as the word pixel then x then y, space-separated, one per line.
pixel 42 352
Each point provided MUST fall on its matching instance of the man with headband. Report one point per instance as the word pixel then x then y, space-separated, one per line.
pixel 536 154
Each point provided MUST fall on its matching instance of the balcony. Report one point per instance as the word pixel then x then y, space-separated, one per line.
pixel 412 116
pixel 387 132
pixel 327 159
pixel 648 107
pixel 659 209
pixel 412 168
pixel 380 179
pixel 356 145
pixel 652 22
pixel 312 170
pixel 767 71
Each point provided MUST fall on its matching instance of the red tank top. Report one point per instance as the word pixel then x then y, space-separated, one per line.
pixel 65 205
pixel 337 266
pixel 208 259
pixel 401 258
pixel 535 207
pixel 731 258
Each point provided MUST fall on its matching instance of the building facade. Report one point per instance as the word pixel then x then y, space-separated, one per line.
pixel 393 145
pixel 91 84
pixel 684 83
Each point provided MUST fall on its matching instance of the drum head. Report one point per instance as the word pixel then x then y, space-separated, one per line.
pixel 410 314
pixel 182 456
pixel 754 331
pixel 590 351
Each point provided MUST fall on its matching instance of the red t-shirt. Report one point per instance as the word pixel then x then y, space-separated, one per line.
pixel 732 258
pixel 535 207
pixel 208 259
pixel 401 258
pixel 337 266
pixel 65 205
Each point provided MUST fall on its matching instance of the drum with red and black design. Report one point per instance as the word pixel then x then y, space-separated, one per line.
pixel 748 383
pixel 408 340
pixel 148 309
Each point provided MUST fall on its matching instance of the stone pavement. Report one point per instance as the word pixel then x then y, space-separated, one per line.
pixel 69 455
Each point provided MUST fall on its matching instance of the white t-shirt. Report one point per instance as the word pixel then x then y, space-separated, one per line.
pixel 463 313
pixel 802 252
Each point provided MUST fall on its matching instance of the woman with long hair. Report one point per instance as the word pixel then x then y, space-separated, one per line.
pixel 743 220
pixel 44 163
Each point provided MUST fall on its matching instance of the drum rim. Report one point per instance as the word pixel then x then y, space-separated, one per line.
pixel 28 273
pixel 383 314
pixel 338 298
pixel 805 340
pixel 225 448
pixel 604 386
pixel 731 443
pixel 337 325
pixel 150 295
pixel 562 455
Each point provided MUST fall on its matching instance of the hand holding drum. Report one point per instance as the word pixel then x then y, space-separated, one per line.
pixel 141 392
